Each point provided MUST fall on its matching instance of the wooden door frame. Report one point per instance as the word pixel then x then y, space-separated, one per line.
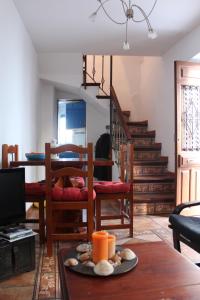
pixel 175 133
pixel 177 65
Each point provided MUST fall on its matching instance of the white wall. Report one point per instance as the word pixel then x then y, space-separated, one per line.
pixel 126 81
pixel 18 83
pixel 61 67
pixel 96 124
pixel 47 114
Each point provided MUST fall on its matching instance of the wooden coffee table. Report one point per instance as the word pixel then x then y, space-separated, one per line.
pixel 161 273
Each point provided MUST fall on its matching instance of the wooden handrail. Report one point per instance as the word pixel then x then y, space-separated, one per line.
pixel 119 112
pixel 87 74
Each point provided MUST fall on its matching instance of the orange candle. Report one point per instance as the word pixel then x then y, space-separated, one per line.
pixel 100 246
pixel 111 245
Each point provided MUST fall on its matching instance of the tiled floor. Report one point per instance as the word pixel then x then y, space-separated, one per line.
pixel 43 282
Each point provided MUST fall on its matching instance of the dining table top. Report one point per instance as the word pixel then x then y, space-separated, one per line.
pixel 61 162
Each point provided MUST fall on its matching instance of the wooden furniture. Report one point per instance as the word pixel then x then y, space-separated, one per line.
pixel 161 273
pixel 17 257
pixel 185 229
pixel 9 153
pixel 65 199
pixel 121 191
pixel 34 192
pixel 62 162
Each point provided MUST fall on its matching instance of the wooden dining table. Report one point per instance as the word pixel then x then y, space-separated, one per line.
pixel 62 162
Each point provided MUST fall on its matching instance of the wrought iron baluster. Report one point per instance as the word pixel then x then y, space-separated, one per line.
pixel 102 73
pixel 93 68
pixel 84 70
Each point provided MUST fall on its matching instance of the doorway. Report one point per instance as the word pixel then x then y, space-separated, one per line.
pixel 72 122
pixel 187 104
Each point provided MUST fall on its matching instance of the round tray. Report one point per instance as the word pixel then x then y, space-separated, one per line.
pixel 126 265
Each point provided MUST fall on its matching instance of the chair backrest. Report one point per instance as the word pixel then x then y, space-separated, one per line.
pixel 126 162
pixel 52 174
pixel 9 153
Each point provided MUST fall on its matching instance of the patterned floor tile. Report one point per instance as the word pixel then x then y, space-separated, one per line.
pixel 44 283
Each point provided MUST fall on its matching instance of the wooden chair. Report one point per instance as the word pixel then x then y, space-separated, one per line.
pixel 121 192
pixel 34 192
pixel 68 199
pixel 186 229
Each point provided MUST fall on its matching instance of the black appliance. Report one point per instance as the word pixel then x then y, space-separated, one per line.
pixel 12 196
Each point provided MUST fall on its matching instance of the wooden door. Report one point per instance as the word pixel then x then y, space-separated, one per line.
pixel 187 76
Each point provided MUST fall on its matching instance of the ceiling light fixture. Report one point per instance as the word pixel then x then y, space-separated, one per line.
pixel 128 10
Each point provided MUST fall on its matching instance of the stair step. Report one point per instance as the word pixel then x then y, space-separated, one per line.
pixel 91 84
pixel 152 147
pixel 127 113
pixel 153 198
pixel 103 97
pixel 150 168
pixel 138 123
pixel 154 187
pixel 147 134
pixel 147 152
pixel 152 179
pixel 162 161
pixel 143 138
pixel 147 155
pixel 137 127
pixel 157 208
pixel 143 141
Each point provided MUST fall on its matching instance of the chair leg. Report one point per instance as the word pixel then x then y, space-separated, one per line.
pixel 49 246
pixel 131 217
pixel 49 230
pixel 90 222
pixel 41 221
pixel 122 210
pixel 49 241
pixel 98 214
pixel 176 241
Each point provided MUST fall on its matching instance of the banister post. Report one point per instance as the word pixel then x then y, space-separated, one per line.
pixel 84 70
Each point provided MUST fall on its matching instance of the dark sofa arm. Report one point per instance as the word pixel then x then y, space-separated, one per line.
pixel 181 206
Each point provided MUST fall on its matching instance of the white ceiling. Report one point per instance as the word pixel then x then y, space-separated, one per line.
pixel 64 26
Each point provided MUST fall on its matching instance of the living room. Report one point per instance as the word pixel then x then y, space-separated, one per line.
pixel 34 74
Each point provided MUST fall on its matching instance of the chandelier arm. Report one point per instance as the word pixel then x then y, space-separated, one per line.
pixel 146 16
pixel 102 6
pixel 124 5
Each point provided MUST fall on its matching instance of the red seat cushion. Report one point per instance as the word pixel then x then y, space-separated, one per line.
pixel 111 187
pixel 35 189
pixel 70 194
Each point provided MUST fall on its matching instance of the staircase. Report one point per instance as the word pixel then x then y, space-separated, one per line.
pixel 154 185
